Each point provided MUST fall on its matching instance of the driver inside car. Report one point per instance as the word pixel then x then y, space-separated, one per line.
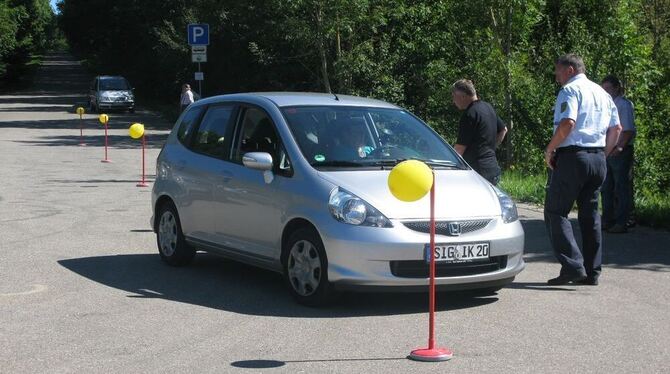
pixel 351 136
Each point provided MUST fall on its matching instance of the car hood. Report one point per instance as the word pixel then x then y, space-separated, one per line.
pixel 114 94
pixel 458 194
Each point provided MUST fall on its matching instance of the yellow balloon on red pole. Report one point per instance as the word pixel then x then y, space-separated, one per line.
pixel 103 118
pixel 136 130
pixel 80 110
pixel 410 180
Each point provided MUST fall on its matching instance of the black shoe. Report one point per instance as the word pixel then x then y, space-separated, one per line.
pixel 565 279
pixel 588 281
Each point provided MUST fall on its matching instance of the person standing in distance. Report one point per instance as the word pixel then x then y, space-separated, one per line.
pixel 617 192
pixel 586 129
pixel 480 131
pixel 186 98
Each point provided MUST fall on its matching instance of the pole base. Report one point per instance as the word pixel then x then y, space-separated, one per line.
pixel 142 184
pixel 82 144
pixel 431 355
pixel 106 161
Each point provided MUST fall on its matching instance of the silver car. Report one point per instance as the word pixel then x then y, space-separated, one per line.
pixel 297 183
pixel 111 92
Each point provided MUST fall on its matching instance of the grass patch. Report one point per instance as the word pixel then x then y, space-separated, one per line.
pixel 524 188
pixel 653 210
pixel 650 209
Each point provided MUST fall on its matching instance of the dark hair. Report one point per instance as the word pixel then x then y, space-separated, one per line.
pixel 613 80
pixel 573 60
pixel 465 86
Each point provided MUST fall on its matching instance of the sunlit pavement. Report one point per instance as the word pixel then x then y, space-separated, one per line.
pixel 82 288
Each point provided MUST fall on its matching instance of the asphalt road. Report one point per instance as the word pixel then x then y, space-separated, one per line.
pixel 82 288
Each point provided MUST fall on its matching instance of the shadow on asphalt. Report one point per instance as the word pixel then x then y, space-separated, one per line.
pixel 642 248
pixel 268 364
pixel 116 122
pixel 213 282
pixel 113 141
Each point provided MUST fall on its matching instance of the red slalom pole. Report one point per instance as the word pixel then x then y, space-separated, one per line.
pixel 106 159
pixel 431 353
pixel 143 183
pixel 81 131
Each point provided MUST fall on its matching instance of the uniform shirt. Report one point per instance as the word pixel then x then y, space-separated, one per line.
pixel 591 108
pixel 187 97
pixel 477 130
pixel 626 115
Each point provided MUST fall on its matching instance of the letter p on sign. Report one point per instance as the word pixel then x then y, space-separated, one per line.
pixel 198 34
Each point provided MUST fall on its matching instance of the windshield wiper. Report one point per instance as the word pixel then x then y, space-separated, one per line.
pixel 435 163
pixel 336 163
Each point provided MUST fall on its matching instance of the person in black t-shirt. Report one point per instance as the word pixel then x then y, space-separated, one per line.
pixel 480 131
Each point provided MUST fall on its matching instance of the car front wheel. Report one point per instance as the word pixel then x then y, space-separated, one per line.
pixel 172 246
pixel 306 269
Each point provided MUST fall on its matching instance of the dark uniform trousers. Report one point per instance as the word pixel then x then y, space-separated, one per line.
pixel 577 176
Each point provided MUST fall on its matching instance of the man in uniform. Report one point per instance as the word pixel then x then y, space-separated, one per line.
pixel 586 129
pixel 617 191
pixel 480 131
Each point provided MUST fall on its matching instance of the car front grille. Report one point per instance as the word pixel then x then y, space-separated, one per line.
pixel 421 269
pixel 442 227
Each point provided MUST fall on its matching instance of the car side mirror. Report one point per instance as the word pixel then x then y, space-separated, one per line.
pixel 260 161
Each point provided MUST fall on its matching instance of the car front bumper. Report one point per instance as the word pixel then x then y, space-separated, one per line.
pixel 374 258
pixel 116 105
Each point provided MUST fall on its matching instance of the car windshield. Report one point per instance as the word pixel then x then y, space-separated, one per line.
pixel 348 137
pixel 114 84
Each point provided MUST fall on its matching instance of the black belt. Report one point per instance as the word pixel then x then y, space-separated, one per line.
pixel 574 148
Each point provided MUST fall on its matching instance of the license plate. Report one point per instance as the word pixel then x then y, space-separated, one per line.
pixel 463 252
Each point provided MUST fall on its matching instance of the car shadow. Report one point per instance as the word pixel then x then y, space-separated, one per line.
pixel 213 282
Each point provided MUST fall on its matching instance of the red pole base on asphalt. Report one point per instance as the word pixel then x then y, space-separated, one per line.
pixel 142 184
pixel 431 355
pixel 106 161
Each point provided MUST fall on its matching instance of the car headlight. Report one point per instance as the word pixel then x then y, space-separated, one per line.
pixel 507 206
pixel 349 208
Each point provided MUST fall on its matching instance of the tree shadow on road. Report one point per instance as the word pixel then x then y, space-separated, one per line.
pixel 214 282
pixel 642 249
pixel 114 141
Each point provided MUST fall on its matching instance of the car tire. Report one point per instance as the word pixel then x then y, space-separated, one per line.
pixel 172 246
pixel 306 269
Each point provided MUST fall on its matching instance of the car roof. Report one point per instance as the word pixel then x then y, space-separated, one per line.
pixel 286 99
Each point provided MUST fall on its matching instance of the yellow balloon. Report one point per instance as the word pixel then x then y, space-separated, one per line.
pixel 103 118
pixel 80 110
pixel 136 130
pixel 410 180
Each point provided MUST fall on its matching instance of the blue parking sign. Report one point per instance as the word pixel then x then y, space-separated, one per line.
pixel 198 34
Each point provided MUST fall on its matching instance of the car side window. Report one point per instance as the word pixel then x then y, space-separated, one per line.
pixel 187 125
pixel 212 137
pixel 257 134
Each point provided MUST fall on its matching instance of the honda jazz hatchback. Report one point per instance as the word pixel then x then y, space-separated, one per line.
pixel 297 183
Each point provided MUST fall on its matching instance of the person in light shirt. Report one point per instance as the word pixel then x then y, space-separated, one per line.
pixel 617 192
pixel 586 130
pixel 186 97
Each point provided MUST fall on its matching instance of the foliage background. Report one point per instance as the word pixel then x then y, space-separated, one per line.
pixel 405 52
pixel 27 27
